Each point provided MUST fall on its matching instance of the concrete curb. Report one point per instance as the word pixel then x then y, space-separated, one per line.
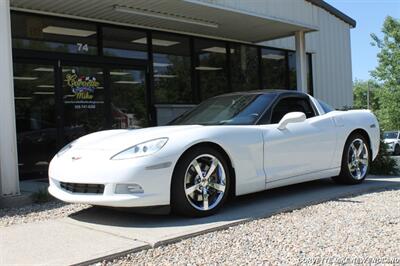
pixel 235 223
pixel 113 256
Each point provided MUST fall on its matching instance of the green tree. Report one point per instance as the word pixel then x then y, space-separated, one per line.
pixel 388 70
pixel 388 73
pixel 360 93
pixel 389 112
pixel 387 94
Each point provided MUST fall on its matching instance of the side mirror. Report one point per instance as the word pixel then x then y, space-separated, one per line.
pixel 293 117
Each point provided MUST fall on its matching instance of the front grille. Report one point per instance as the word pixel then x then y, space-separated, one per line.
pixel 83 188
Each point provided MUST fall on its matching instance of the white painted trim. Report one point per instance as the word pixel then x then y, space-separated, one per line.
pixel 301 65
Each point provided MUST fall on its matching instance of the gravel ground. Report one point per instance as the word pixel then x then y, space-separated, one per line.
pixel 38 212
pixel 357 230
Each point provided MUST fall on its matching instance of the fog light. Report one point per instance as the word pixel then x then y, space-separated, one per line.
pixel 128 189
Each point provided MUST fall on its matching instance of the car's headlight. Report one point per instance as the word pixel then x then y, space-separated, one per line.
pixel 66 148
pixel 141 149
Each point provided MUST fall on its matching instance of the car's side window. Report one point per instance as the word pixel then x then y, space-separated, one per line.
pixel 291 104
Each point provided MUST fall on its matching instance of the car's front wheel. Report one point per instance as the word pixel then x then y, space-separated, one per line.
pixel 355 160
pixel 200 184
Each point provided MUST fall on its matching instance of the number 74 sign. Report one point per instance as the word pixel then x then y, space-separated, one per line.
pixel 82 47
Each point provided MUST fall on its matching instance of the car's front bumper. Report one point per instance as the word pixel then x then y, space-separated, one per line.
pixel 151 174
pixel 107 198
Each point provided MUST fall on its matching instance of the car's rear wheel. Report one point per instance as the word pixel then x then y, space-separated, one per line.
pixel 355 160
pixel 200 183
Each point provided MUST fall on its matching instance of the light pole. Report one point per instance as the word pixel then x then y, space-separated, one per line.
pixel 368 94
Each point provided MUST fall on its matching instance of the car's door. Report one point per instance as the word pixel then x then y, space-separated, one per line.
pixel 301 148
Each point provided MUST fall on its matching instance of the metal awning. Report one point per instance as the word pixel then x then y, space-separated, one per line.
pixel 188 16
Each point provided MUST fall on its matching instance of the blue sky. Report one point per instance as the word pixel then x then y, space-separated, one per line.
pixel 369 15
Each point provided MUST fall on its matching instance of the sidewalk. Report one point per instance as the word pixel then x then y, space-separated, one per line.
pixel 94 233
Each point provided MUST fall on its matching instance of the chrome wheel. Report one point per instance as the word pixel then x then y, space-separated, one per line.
pixel 358 159
pixel 205 182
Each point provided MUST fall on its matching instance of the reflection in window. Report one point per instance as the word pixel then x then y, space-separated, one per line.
pixel 35 118
pixel 292 70
pixel 244 68
pixel 53 34
pixel 172 75
pixel 128 101
pixel 274 66
pixel 293 75
pixel 124 43
pixel 310 83
pixel 211 67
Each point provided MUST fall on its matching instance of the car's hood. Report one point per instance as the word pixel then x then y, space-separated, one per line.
pixel 117 140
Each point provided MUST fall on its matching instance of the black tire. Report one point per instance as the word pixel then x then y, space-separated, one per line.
pixel 346 176
pixel 182 204
pixel 396 151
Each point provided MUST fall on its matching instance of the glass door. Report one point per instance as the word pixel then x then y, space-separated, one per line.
pixel 35 110
pixel 83 100
pixel 128 98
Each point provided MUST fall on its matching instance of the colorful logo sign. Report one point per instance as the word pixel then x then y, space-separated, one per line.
pixel 82 87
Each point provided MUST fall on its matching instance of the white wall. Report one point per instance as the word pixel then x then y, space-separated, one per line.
pixel 332 66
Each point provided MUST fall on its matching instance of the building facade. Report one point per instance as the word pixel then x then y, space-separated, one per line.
pixel 74 67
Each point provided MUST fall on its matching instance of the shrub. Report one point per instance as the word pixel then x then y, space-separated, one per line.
pixel 383 163
pixel 41 196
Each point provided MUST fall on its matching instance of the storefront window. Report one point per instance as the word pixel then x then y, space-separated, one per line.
pixel 172 73
pixel 124 43
pixel 35 118
pixel 83 97
pixel 53 34
pixel 128 98
pixel 244 68
pixel 274 65
pixel 211 68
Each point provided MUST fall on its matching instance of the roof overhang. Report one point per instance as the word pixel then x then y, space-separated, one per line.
pixel 187 16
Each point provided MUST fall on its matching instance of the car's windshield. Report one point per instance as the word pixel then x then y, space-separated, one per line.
pixel 390 135
pixel 235 109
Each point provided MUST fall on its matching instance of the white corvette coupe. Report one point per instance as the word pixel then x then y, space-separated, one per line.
pixel 232 144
